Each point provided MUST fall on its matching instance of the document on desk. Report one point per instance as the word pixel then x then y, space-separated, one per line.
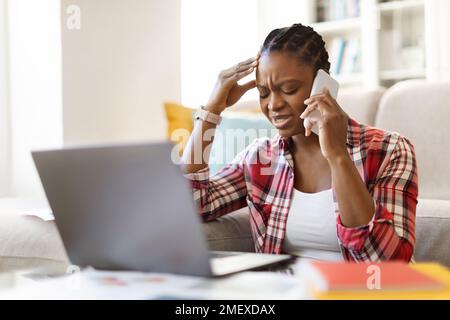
pixel 42 213
pixel 92 284
pixel 38 208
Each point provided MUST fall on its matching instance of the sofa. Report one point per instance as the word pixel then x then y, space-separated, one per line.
pixel 420 110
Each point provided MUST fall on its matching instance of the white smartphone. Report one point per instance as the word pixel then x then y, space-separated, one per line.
pixel 322 80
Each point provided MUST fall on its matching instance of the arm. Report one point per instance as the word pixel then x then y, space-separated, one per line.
pixel 355 203
pixel 226 93
pixel 226 191
pixel 372 227
pixel 221 194
pixel 390 234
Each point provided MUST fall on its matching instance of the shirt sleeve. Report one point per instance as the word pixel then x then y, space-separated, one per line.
pixel 222 193
pixel 391 233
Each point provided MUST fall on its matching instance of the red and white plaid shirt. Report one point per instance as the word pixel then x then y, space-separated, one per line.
pixel 262 178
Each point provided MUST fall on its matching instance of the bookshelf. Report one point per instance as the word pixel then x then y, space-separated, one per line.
pixel 376 43
pixel 337 27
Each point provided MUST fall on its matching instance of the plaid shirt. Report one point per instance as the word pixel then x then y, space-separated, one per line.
pixel 262 178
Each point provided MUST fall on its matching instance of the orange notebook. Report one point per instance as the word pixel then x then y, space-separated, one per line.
pixel 391 276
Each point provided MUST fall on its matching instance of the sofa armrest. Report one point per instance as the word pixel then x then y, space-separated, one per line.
pixel 432 231
pixel 230 233
pixel 31 244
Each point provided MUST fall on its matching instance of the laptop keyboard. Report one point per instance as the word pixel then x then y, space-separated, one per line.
pixel 283 268
pixel 222 254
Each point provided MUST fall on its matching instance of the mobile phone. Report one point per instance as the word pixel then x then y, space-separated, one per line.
pixel 322 80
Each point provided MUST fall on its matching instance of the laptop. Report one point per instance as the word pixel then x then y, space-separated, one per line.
pixel 129 207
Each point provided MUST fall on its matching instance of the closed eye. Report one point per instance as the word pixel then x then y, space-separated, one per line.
pixel 263 93
pixel 290 92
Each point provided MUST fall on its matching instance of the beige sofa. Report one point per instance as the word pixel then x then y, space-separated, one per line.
pixel 417 109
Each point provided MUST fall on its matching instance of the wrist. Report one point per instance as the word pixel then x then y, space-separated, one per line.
pixel 214 109
pixel 339 160
pixel 206 115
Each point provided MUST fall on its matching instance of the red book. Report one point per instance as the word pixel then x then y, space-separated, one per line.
pixel 390 276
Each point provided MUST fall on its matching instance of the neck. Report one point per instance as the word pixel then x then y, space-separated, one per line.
pixel 303 144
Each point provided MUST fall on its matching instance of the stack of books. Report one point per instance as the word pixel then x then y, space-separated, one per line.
pixel 337 9
pixel 344 55
pixel 377 281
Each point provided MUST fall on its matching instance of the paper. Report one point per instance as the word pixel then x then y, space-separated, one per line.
pixel 43 213
pixel 27 207
pixel 92 284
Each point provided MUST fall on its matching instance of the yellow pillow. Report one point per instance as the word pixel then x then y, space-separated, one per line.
pixel 178 117
pixel 252 110
pixel 181 117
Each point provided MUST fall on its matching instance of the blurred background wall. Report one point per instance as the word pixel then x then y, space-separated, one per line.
pixel 118 68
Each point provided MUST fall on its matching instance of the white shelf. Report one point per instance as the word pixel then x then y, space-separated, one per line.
pixel 338 26
pixel 349 79
pixel 401 5
pixel 366 28
pixel 402 74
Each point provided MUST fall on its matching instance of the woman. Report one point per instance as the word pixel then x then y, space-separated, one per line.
pixel 348 193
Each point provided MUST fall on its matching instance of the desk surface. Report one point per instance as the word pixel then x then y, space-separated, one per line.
pixel 93 284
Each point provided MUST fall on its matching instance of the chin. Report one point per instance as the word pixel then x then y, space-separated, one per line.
pixel 288 133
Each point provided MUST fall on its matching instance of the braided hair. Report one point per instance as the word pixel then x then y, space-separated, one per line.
pixel 301 40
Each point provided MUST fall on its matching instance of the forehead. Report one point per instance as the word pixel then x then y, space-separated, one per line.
pixel 276 66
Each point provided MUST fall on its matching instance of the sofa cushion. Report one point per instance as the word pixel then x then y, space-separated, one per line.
pixel 29 243
pixel 421 110
pixel 236 131
pixel 230 233
pixel 432 231
pixel 361 104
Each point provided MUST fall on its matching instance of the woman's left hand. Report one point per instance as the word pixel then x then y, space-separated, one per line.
pixel 332 125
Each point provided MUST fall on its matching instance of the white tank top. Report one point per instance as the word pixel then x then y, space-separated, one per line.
pixel 311 227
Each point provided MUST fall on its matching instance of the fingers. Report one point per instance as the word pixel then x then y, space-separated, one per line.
pixel 313 99
pixel 238 76
pixel 311 117
pixel 309 110
pixel 329 99
pixel 322 95
pixel 250 60
pixel 308 124
pixel 326 97
pixel 249 85
pixel 240 67
pixel 323 104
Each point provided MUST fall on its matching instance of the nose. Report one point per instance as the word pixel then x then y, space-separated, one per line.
pixel 276 102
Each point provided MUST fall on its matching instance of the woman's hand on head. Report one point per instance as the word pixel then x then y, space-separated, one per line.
pixel 332 124
pixel 227 91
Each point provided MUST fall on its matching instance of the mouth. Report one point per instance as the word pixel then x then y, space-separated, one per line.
pixel 281 122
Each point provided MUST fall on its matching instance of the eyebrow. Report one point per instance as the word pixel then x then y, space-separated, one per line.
pixel 281 83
